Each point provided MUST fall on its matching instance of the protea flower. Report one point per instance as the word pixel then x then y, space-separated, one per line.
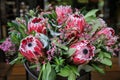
pixel 76 22
pixel 37 24
pixel 109 35
pixel 31 48
pixel 75 26
pixel 108 32
pixel 62 13
pixel 84 52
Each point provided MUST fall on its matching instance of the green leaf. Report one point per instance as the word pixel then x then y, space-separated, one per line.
pixel 46 72
pixel 101 55
pixel 41 71
pixel 95 25
pixel 33 66
pixel 106 61
pixel 83 10
pixel 65 72
pixel 62 46
pixel 15 60
pixel 54 25
pixel 68 71
pixel 54 15
pixel 53 33
pixel 22 32
pixel 31 13
pixel 23 26
pixel 13 24
pixel 74 70
pixel 20 28
pixel 26 19
pixel 46 16
pixel 19 54
pixel 9 24
pixel 20 24
pixel 71 51
pixel 51 16
pixel 103 48
pixel 72 76
pixel 107 55
pixel 98 68
pixel 91 13
pixel 44 39
pixel 90 19
pixel 52 74
pixel 58 63
pixel 14 38
pixel 87 68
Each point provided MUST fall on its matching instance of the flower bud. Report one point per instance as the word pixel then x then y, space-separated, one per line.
pixel 37 25
pixel 62 13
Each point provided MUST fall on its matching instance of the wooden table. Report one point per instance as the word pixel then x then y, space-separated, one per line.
pixel 112 73
pixel 4 70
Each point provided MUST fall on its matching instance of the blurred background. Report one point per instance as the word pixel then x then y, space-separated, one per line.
pixel 109 10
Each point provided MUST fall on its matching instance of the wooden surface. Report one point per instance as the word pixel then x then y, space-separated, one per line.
pixel 111 73
pixel 5 69
pixel 18 73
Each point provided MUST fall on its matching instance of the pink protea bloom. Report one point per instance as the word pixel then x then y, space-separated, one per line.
pixel 111 41
pixel 31 48
pixel 76 22
pixel 108 32
pixel 37 24
pixel 62 13
pixel 109 35
pixel 75 26
pixel 84 52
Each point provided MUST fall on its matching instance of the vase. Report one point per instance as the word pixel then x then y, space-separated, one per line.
pixel 30 73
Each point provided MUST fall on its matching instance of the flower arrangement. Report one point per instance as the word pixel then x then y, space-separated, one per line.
pixel 63 42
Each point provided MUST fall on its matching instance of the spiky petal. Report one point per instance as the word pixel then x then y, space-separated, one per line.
pixel 37 24
pixel 31 48
pixel 62 13
pixel 84 52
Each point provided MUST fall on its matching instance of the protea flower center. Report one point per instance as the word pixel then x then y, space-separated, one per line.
pixel 77 16
pixel 29 44
pixel 36 20
pixel 85 51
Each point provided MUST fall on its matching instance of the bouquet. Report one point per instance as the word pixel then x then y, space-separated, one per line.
pixel 62 41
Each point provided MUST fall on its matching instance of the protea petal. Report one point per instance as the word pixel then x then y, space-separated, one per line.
pixel 108 33
pixel 84 52
pixel 76 22
pixel 31 48
pixel 37 25
pixel 62 13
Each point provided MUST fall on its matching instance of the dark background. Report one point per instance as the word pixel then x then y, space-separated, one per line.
pixel 9 9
